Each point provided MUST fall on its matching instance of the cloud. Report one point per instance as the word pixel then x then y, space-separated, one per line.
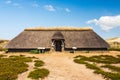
pixel 106 22
pixel 67 10
pixel 35 5
pixel 17 5
pixel 8 2
pixel 49 7
pixel 13 3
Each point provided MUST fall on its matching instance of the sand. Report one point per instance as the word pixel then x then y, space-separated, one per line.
pixel 62 67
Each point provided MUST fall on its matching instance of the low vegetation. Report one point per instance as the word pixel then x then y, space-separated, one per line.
pixel 2 44
pixel 12 66
pixel 34 51
pixel 114 49
pixel 39 63
pixel 39 73
pixel 111 67
pixel 106 61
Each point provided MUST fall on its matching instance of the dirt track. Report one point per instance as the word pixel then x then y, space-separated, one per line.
pixel 62 67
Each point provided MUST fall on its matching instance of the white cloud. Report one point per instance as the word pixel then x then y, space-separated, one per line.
pixel 49 7
pixel 8 2
pixel 17 5
pixel 67 10
pixel 106 22
pixel 35 5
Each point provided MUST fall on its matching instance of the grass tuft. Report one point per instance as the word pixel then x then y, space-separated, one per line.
pixel 113 68
pixel 39 73
pixel 39 63
pixel 12 66
pixel 104 59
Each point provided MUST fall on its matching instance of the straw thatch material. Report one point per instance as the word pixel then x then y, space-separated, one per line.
pixel 57 29
pixel 58 35
pixel 80 38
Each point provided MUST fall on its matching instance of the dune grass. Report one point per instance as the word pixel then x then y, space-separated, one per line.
pixel 111 67
pixel 12 66
pixel 38 73
pixel 106 60
pixel 39 63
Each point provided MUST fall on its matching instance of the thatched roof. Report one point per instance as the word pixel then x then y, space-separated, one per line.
pixel 58 35
pixel 42 37
pixel 57 29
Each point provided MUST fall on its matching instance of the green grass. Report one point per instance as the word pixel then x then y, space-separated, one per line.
pixel 113 68
pixel 34 51
pixel 80 61
pixel 108 75
pixel 114 49
pixel 100 59
pixel 38 73
pixel 12 66
pixel 104 59
pixel 39 63
pixel 92 66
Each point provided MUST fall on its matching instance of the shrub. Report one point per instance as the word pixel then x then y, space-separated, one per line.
pixel 38 63
pixel 34 51
pixel 39 73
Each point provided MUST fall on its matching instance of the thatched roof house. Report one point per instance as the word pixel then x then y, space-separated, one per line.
pixel 57 39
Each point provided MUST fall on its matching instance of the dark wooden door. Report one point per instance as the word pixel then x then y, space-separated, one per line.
pixel 58 46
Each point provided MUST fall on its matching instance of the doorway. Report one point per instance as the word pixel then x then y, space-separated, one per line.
pixel 58 45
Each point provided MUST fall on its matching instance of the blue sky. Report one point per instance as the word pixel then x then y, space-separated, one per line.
pixel 102 15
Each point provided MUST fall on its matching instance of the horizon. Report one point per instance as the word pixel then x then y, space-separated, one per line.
pixel 102 16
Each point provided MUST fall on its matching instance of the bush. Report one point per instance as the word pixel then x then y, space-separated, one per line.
pixel 34 51
pixel 38 63
pixel 39 73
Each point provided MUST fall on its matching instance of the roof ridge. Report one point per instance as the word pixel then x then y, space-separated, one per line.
pixel 57 28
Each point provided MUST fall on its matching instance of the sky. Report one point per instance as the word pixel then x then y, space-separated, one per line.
pixel 101 15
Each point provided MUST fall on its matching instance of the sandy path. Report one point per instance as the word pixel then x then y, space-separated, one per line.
pixel 62 67
pixel 24 75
